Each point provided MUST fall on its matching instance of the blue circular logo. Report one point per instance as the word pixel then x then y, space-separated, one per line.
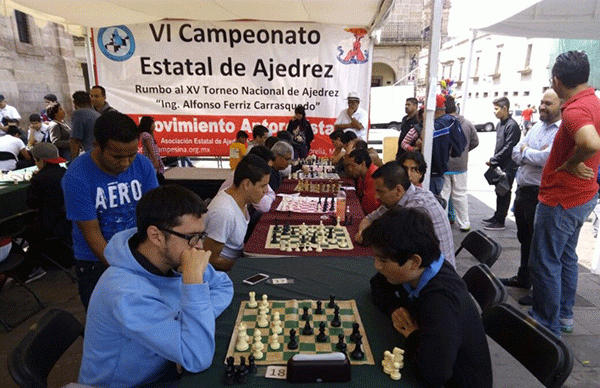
pixel 116 43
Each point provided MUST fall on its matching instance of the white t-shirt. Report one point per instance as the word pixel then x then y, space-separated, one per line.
pixel 10 112
pixel 39 135
pixel 265 203
pixel 227 224
pixel 11 144
pixel 360 115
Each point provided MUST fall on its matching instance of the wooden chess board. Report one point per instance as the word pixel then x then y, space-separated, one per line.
pixel 293 239
pixel 296 204
pixel 290 314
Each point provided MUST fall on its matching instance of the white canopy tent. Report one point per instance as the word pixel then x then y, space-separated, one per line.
pixel 103 13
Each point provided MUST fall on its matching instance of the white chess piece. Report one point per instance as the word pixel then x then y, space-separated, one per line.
pixel 276 318
pixel 242 331
pixel 282 245
pixel 275 342
pixel 265 302
pixel 395 375
pixel 242 344
pixel 277 328
pixel 257 346
pixel 387 356
pixel 262 320
pixel 252 303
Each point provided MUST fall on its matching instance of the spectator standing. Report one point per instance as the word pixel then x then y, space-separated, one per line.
pixel 568 193
pixel 408 122
pixel 149 147
pixel 508 135
pixel 531 154
pixel 455 179
pixel 59 132
pixel 49 99
pixel 101 189
pixel 82 124
pixel 98 99
pixel 354 118
pixel 302 133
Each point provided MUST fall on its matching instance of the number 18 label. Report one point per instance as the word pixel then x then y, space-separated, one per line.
pixel 276 372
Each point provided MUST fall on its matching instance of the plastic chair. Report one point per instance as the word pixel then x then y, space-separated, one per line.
pixel 540 351
pixel 485 288
pixel 481 246
pixel 32 360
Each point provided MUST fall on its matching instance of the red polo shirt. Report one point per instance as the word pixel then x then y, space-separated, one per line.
pixel 366 191
pixel 560 187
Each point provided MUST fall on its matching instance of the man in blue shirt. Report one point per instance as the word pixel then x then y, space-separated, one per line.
pixel 102 188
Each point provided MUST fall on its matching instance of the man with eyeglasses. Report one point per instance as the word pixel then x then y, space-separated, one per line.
pixel 283 152
pixel 102 188
pixel 157 302
pixel 227 219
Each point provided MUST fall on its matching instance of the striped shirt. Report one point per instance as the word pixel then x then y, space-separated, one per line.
pixel 416 197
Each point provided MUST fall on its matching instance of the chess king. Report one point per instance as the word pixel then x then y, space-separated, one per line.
pixel 427 301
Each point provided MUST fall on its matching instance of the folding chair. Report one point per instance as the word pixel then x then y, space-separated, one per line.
pixel 540 351
pixel 32 360
pixel 13 227
pixel 19 223
pixel 485 288
pixel 481 246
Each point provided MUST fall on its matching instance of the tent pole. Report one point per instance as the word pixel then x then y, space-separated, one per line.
pixel 463 109
pixel 432 70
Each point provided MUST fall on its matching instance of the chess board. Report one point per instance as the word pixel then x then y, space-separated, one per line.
pixel 318 175
pixel 296 204
pixel 308 186
pixel 290 314
pixel 340 237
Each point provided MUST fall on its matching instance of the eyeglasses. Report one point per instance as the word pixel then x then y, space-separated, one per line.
pixel 192 239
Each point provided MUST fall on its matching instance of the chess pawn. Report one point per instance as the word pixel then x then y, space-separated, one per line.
pixel 265 301
pixel 282 245
pixel 275 342
pixel 242 344
pixel 262 320
pixel 276 318
pixel 276 329
pixel 242 331
pixel 395 375
pixel 252 303
pixel 257 347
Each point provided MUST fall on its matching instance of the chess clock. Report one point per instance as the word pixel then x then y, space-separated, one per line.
pixel 311 368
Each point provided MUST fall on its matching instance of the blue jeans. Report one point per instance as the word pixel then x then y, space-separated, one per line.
pixel 436 185
pixel 553 261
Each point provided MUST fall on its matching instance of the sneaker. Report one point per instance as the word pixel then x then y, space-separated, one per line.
pixel 489 220
pixel 515 282
pixel 526 300
pixel 35 274
pixel 566 325
pixel 7 284
pixel 495 226
pixel 465 230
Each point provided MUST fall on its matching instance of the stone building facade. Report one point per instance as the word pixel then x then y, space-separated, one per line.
pixel 403 36
pixel 37 58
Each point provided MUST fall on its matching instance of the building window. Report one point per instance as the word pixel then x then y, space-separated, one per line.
pixel 526 93
pixel 505 94
pixel 498 63
pixel 460 71
pixel 485 94
pixel 477 66
pixel 477 95
pixel 495 94
pixel 469 95
pixel 22 27
pixel 528 55
pixel 450 70
pixel 515 94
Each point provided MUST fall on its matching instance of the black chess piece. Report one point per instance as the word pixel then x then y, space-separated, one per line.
pixel 335 322
pixel 330 234
pixel 355 332
pixel 252 364
pixel 274 238
pixel 293 343
pixel 321 337
pixel 332 205
pixel 313 239
pixel 229 377
pixel 325 207
pixel 242 372
pixel 308 330
pixel 331 301
pixel 358 353
pixel 319 309
pixel 305 316
pixel 303 240
pixel 341 345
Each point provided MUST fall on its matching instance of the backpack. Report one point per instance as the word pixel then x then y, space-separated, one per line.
pixel 458 140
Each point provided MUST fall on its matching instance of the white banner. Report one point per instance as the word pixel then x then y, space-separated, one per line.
pixel 204 81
